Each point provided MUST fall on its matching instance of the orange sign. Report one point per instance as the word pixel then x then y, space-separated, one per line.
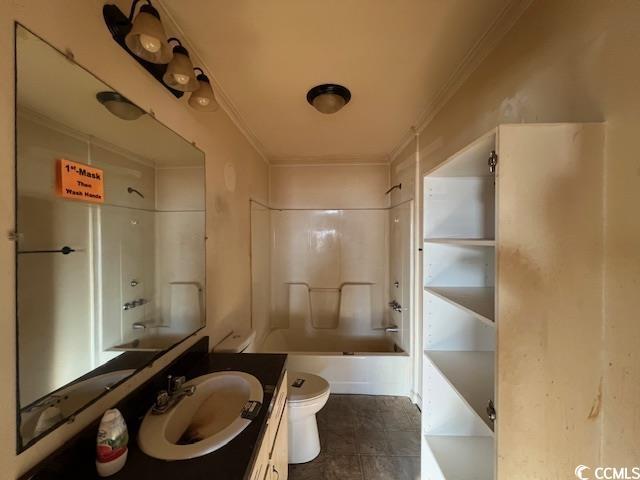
pixel 78 181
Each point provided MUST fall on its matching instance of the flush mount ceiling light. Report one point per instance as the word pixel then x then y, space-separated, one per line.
pixel 328 98
pixel 203 98
pixel 146 38
pixel 120 106
pixel 179 74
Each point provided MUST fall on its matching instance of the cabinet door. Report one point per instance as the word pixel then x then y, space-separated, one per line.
pixel 549 310
pixel 280 454
pixel 262 467
pixel 274 416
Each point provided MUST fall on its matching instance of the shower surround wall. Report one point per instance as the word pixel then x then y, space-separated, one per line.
pixel 329 270
pixel 326 257
pixel 329 248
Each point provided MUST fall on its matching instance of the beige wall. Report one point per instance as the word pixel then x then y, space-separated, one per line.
pixel 576 61
pixel 78 26
pixel 329 186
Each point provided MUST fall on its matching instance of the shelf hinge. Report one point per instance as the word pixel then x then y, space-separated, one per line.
pixel 493 161
pixel 491 411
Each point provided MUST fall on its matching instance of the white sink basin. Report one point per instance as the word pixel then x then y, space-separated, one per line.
pixel 203 422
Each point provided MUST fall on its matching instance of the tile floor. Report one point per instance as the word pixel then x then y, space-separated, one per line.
pixel 365 437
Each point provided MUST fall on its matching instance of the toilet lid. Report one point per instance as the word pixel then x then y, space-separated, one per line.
pixel 305 386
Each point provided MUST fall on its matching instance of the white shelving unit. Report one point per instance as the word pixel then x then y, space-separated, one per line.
pixel 459 316
pixel 511 265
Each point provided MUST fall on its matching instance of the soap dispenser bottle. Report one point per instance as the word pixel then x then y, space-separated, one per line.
pixel 111 448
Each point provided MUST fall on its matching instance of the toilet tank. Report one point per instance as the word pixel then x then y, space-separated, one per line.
pixel 236 342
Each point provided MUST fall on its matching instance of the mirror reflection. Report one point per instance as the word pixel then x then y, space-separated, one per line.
pixel 110 231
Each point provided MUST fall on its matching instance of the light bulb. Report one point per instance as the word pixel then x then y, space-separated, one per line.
pixel 181 78
pixel 204 101
pixel 150 43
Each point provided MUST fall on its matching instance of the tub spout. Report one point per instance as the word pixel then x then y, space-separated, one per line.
pixel 392 329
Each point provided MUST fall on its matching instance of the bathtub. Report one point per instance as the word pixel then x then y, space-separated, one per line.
pixel 359 364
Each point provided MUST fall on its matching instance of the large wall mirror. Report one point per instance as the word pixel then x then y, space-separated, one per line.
pixel 110 232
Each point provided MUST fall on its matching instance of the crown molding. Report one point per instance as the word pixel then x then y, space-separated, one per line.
pixel 502 24
pixel 318 160
pixel 222 98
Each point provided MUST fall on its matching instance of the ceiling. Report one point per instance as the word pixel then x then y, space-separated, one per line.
pixel 395 56
pixel 53 87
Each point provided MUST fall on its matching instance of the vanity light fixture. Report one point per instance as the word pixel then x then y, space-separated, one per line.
pixel 119 105
pixel 203 98
pixel 146 38
pixel 179 74
pixel 328 98
pixel 141 38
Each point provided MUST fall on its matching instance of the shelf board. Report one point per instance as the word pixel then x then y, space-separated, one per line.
pixel 478 301
pixel 461 458
pixel 472 242
pixel 470 374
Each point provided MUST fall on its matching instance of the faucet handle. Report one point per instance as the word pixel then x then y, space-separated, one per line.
pixel 162 401
pixel 175 383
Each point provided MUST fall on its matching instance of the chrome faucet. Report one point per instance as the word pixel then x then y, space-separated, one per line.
pixel 135 303
pixel 395 306
pixel 176 391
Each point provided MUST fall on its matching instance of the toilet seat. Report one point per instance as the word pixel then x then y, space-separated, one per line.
pixel 306 388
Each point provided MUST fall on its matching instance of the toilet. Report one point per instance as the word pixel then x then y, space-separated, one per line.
pixel 307 394
pixel 236 342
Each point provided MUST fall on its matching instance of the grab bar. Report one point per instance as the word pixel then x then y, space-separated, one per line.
pixel 339 288
pixel 64 250
pixel 389 329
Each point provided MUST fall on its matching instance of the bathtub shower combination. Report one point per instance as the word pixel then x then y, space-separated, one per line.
pixel 323 282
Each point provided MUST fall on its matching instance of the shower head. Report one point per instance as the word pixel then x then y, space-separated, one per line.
pixel 398 186
pixel 133 190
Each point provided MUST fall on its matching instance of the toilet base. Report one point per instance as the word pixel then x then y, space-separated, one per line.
pixel 304 441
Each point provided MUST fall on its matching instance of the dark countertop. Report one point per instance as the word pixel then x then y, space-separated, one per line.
pixel 231 462
pixel 234 460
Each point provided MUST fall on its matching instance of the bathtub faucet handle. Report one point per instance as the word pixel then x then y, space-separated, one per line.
pixel 395 306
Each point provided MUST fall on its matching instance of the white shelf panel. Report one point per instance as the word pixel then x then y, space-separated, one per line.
pixel 479 301
pixel 449 327
pixel 470 374
pixel 471 242
pixel 458 458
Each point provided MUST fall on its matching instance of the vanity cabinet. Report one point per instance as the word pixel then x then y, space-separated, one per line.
pixel 273 455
